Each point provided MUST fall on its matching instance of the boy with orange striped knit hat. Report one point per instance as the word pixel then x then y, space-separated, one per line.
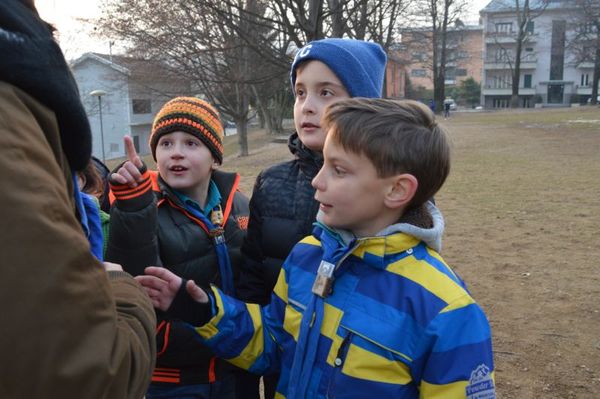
pixel 190 218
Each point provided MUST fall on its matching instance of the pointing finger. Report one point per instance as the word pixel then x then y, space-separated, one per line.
pixel 131 152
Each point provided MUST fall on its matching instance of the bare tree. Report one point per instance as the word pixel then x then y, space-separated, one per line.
pixel 436 19
pixel 198 42
pixel 237 52
pixel 584 43
pixel 292 23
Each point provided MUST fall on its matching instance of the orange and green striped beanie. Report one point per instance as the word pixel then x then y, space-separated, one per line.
pixel 190 115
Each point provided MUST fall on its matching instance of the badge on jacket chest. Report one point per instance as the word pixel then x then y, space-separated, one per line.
pixel 324 281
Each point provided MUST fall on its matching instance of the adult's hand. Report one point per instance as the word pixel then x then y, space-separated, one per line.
pixel 162 286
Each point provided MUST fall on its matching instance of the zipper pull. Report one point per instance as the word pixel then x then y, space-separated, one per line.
pixel 216 216
pixel 343 350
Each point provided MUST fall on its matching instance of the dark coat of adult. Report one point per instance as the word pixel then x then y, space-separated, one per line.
pixel 151 227
pixel 282 212
pixel 68 328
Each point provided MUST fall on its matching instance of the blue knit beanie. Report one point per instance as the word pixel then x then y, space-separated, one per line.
pixel 359 65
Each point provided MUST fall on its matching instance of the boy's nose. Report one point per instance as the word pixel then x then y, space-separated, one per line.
pixel 177 151
pixel 317 181
pixel 309 106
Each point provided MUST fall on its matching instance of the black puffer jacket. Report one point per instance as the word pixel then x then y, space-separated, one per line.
pixel 282 212
pixel 152 229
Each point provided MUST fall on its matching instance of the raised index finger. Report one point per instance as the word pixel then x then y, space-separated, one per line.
pixel 131 152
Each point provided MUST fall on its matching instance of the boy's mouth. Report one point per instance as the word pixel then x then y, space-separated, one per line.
pixel 307 125
pixel 177 168
pixel 324 207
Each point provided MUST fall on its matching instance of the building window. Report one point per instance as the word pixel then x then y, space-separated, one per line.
pixel 503 55
pixel 460 72
pixel 527 81
pixel 114 147
pixel 500 82
pixel 141 106
pixel 500 103
pixel 585 79
pixel 504 27
pixel 557 51
pixel 419 56
pixel 418 73
pixel 529 27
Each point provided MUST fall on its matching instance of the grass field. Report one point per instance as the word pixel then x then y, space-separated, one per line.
pixel 522 210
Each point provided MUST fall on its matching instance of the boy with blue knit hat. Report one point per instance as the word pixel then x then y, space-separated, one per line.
pixel 282 207
pixel 366 306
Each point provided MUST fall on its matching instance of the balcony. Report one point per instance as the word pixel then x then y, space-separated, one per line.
pixel 487 90
pixel 527 63
pixel 500 37
pixel 586 65
pixel 508 37
pixel 583 90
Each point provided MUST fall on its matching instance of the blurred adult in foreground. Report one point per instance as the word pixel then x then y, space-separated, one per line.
pixel 71 326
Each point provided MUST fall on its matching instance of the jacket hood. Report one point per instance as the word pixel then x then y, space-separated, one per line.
pixel 424 224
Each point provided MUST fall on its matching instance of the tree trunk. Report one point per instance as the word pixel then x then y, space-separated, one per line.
pixel 596 77
pixel 242 132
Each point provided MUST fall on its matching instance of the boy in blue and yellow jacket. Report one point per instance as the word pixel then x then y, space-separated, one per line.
pixel 366 306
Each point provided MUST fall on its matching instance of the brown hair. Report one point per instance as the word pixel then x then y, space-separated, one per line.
pixel 397 136
pixel 94 184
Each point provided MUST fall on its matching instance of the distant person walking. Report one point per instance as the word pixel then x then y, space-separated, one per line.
pixel 447 104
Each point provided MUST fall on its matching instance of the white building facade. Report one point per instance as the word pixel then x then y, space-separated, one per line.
pixel 549 72
pixel 121 98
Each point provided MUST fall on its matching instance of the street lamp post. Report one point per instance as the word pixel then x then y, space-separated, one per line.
pixel 99 94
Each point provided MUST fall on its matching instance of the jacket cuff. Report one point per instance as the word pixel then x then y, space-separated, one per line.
pixel 117 275
pixel 185 308
pixel 133 198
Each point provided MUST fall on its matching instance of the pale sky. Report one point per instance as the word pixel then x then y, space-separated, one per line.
pixel 74 20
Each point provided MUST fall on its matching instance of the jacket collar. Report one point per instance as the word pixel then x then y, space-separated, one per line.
pixel 310 161
pixel 401 238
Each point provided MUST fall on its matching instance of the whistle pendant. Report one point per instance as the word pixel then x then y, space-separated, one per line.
pixel 216 217
pixel 323 284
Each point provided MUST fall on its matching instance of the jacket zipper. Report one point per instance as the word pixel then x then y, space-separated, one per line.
pixel 338 362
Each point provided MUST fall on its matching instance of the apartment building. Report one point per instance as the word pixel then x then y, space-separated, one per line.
pixel 463 58
pixel 550 72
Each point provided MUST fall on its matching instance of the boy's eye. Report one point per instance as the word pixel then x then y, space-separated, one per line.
pixel 327 92
pixel 299 92
pixel 164 143
pixel 339 171
pixel 192 143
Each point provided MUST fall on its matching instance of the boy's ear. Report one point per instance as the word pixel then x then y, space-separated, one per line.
pixel 401 191
pixel 215 165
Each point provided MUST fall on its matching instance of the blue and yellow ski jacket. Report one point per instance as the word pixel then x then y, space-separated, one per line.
pixel 398 322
